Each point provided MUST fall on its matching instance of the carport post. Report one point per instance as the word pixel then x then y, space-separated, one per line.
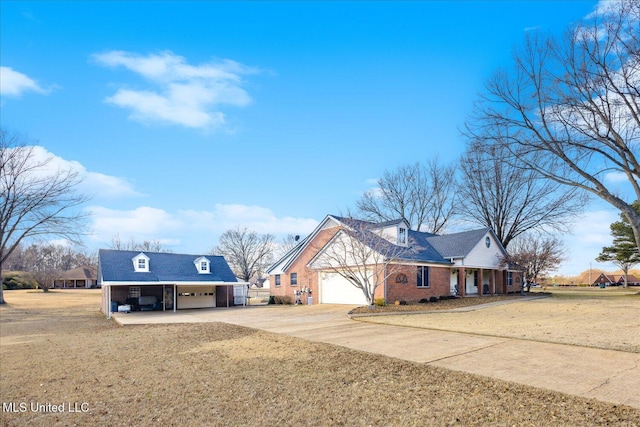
pixel 108 302
pixel 175 299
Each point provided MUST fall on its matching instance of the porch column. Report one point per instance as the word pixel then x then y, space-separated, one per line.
pixel 175 298
pixel 492 282
pixel 505 283
pixel 480 282
pixel 462 281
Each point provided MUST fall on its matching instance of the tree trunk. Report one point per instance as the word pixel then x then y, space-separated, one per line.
pixel 626 277
pixel 1 291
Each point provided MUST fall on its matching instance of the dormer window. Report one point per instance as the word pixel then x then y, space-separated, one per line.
pixel 202 265
pixel 402 236
pixel 141 263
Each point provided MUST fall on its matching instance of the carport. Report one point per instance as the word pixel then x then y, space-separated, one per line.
pixel 162 297
pixel 166 282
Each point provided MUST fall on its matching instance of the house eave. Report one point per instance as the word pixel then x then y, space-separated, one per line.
pixel 169 283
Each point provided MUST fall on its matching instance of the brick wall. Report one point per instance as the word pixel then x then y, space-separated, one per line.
pixel 439 280
pixel 306 276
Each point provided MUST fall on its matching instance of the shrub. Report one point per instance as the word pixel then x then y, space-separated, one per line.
pixel 379 302
pixel 423 301
pixel 433 299
pixel 18 281
pixel 282 299
pixel 403 303
pixel 272 299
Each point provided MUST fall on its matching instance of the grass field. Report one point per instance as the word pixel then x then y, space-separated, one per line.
pixel 57 349
pixel 592 317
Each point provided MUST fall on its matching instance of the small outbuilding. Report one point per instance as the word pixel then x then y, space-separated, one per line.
pixel 134 280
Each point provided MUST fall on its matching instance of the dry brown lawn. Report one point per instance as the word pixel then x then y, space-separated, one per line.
pixel 591 317
pixel 56 348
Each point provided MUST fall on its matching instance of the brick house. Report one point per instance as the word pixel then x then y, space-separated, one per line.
pixel 81 277
pixel 605 279
pixel 424 265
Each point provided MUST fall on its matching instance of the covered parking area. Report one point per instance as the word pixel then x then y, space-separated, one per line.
pixel 159 281
pixel 170 296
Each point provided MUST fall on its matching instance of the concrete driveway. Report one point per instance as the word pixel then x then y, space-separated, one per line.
pixel 607 375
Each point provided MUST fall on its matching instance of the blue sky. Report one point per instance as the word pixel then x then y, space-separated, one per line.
pixel 190 118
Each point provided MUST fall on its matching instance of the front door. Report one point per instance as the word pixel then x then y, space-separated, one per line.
pixel 471 282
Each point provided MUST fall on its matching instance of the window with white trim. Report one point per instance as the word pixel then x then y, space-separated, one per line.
pixel 422 276
pixel 140 263
pixel 294 279
pixel 203 265
pixel 402 236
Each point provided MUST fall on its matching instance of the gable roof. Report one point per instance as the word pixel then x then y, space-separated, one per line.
pixel 630 278
pixel 426 247
pixel 614 278
pixel 423 250
pixel 389 223
pixel 287 259
pixel 116 266
pixel 458 245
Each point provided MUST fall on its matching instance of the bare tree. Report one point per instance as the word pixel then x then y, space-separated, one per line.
pixel 420 193
pixel 285 244
pixel 247 252
pixel 536 254
pixel 362 256
pixel 133 245
pixel 35 201
pixel 569 109
pixel 15 261
pixel 509 199
pixel 44 262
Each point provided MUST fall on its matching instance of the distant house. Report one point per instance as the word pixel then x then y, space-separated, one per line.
pixel 166 281
pixel 603 280
pixel 428 265
pixel 81 277
pixel 631 280
pixel 615 280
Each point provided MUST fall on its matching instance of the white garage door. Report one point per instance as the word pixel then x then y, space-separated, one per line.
pixel 196 297
pixel 335 289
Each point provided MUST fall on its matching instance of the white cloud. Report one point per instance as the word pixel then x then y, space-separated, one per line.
pixel 190 230
pixel 91 183
pixel 616 177
pixel 14 83
pixel 143 222
pixel 107 186
pixel 181 93
pixel 604 7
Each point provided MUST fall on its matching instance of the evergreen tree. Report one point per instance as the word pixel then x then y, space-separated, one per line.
pixel 624 253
